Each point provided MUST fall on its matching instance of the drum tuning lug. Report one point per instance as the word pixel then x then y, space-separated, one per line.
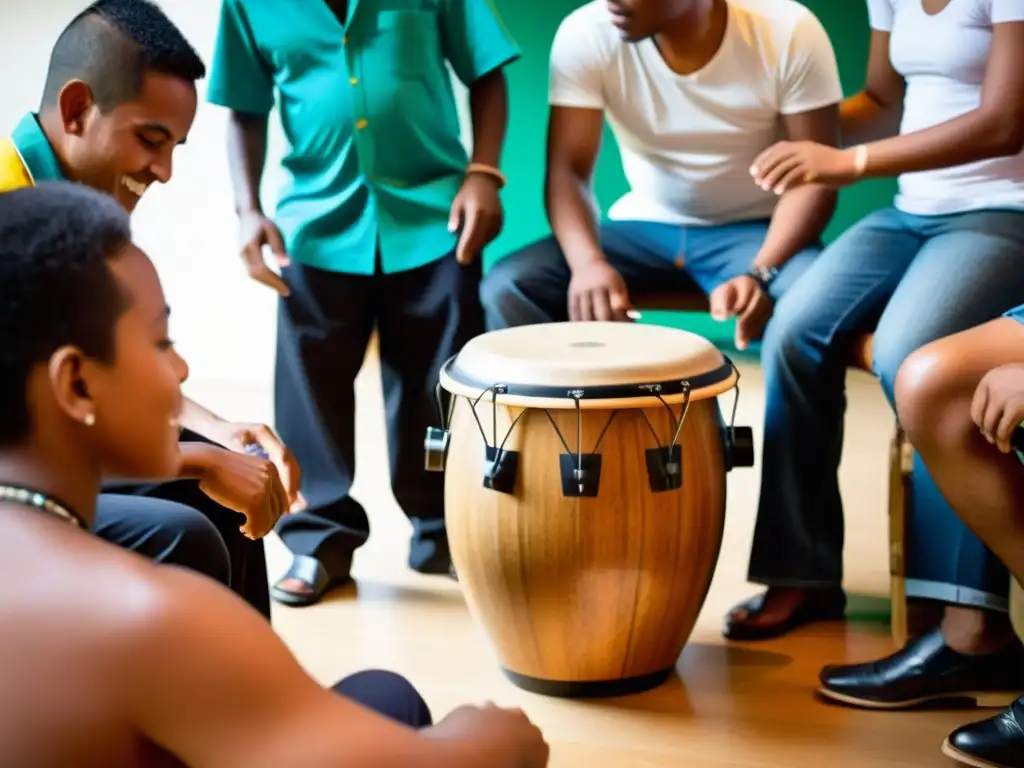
pixel 739 447
pixel 581 474
pixel 665 468
pixel 435 448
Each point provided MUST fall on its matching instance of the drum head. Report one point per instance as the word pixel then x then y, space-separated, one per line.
pixel 589 361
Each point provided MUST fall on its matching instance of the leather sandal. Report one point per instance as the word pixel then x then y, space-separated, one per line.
pixel 311 574
pixel 818 605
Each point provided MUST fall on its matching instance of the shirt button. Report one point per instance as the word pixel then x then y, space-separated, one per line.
pixel 360 124
pixel 344 40
pixel 354 80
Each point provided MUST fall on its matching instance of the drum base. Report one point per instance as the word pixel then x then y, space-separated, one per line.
pixel 589 689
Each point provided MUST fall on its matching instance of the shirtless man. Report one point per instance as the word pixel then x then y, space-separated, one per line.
pixel 106 658
pixel 119 97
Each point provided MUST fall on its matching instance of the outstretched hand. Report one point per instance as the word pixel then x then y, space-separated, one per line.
pixel 789 164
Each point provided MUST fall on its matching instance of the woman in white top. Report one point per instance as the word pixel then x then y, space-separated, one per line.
pixel 943 109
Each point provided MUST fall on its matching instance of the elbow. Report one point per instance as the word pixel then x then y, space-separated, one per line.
pixel 1013 141
pixel 554 181
pixel 561 181
pixel 1005 136
pixel 550 191
pixel 489 84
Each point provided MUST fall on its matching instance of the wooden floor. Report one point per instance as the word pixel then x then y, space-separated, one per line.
pixel 731 705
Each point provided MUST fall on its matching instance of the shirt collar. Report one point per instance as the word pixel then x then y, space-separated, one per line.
pixel 35 150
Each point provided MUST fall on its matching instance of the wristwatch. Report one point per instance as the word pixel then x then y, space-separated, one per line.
pixel 764 276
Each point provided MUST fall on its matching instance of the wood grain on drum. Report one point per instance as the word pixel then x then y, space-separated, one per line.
pixel 586 596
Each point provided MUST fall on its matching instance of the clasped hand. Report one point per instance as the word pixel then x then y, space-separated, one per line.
pixel 261 489
pixel 998 404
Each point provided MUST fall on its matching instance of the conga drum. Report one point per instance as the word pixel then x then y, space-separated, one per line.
pixel 585 468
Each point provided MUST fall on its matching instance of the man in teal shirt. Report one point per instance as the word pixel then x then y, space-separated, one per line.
pixel 380 224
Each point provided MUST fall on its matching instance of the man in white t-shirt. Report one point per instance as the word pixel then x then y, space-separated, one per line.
pixel 694 91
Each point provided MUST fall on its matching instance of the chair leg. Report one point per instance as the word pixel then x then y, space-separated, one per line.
pixel 901 458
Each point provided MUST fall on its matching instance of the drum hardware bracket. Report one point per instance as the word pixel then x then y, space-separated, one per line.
pixel 438 439
pixel 501 467
pixel 435 448
pixel 580 472
pixel 665 463
pixel 664 468
pixel 739 441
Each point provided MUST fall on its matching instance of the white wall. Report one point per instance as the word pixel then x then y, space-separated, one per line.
pixel 222 322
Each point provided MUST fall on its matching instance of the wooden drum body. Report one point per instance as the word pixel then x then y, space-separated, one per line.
pixel 585 498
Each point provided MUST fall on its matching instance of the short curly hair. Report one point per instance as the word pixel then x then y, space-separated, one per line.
pixel 112 44
pixel 56 286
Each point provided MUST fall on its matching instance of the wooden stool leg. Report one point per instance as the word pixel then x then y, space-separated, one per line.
pixel 900 464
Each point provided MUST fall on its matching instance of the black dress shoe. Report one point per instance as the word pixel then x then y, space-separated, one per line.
pixel 819 605
pixel 994 743
pixel 928 670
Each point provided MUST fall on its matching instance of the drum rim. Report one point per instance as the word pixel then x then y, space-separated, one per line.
pixel 665 388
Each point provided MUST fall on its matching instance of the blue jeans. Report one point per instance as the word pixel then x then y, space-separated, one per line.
pixel 913 279
pixel 531 285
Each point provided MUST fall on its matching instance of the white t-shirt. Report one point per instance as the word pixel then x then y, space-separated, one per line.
pixel 687 141
pixel 942 58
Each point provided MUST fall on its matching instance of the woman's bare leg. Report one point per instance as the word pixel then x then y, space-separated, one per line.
pixel 934 390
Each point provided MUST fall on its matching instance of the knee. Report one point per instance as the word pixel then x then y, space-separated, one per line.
pixel 889 354
pixel 388 694
pixel 928 398
pixel 191 541
pixel 505 277
pixel 791 338
pixel 517 289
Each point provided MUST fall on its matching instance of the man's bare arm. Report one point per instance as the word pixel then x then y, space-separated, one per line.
pixel 200 420
pixel 574 139
pixel 207 679
pixel 803 212
pixel 247 150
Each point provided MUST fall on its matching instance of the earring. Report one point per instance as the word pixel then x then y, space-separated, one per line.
pixel 90 419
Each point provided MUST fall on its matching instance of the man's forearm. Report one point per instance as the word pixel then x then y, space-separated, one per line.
pixel 461 750
pixel 247 150
pixel 488 106
pixel 799 219
pixel 200 420
pixel 572 213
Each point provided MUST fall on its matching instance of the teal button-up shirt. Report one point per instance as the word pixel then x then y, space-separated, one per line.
pixel 374 157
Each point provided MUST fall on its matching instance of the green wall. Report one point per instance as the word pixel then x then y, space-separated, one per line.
pixel 534 23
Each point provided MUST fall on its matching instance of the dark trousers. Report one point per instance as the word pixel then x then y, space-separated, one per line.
pixel 387 694
pixel 423 316
pixel 176 523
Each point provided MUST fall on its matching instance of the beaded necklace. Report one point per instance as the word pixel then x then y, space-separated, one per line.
pixel 40 501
